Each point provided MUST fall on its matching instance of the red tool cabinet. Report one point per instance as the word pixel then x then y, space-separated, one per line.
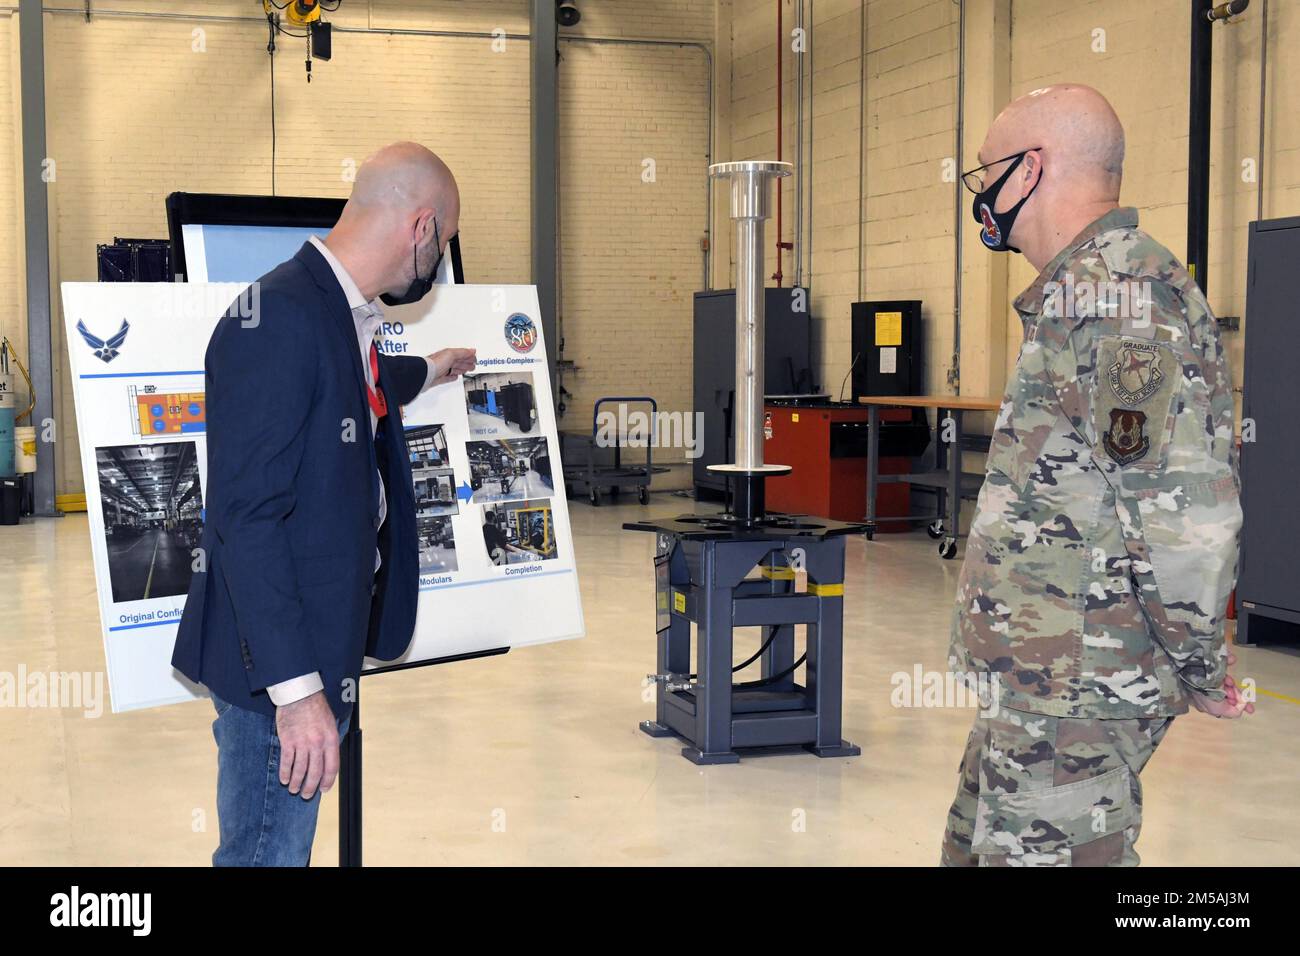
pixel 800 436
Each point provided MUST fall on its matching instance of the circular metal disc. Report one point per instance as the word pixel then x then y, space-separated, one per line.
pixel 760 470
pixel 751 166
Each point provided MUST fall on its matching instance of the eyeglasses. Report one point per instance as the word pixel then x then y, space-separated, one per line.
pixel 974 180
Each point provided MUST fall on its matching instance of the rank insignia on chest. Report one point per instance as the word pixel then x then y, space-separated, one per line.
pixel 1136 374
pixel 1126 439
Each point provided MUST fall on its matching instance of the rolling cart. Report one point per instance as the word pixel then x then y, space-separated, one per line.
pixel 589 467
pixel 948 479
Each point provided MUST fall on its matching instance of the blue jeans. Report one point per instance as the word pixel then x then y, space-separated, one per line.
pixel 261 822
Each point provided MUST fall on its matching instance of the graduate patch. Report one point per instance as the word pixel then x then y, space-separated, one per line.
pixel 1136 375
pixel 1126 440
pixel 1133 400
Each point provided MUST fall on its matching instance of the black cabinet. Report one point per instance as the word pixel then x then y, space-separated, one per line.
pixel 787 369
pixel 1268 584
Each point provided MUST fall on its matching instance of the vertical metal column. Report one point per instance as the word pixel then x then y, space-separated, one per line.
pixel 1198 141
pixel 750 207
pixel 543 124
pixel 349 779
pixel 825 650
pixel 36 223
pixel 712 666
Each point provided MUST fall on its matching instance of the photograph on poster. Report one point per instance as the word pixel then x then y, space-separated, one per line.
pixel 517 532
pixel 501 403
pixel 437 543
pixel 153 514
pixel 509 469
pixel 432 478
pixel 161 414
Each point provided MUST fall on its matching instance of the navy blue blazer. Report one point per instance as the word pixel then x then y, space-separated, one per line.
pixel 292 499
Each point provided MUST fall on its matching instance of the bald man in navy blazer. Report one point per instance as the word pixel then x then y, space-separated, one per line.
pixel 309 541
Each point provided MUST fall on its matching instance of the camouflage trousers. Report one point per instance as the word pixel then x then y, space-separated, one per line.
pixel 1050 791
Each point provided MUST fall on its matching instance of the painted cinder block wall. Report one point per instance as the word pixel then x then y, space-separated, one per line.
pixel 1135 53
pixel 140 107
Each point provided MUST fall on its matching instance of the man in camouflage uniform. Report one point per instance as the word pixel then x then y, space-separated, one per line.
pixel 1104 542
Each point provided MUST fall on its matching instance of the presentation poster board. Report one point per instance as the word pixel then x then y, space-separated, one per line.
pixel 496 550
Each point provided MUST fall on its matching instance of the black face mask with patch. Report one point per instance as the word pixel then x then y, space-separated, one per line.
pixel 997 225
pixel 419 287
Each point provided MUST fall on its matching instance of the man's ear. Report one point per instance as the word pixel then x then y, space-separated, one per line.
pixel 1033 167
pixel 423 225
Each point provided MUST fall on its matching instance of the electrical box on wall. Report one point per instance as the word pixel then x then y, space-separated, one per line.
pixel 886 343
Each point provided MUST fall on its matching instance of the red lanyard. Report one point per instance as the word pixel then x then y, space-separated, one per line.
pixel 378 404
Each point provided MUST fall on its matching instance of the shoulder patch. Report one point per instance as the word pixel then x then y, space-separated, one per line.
pixel 1133 398
pixel 1135 375
pixel 1126 440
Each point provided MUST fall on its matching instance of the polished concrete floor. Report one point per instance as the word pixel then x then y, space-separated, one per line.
pixel 535 757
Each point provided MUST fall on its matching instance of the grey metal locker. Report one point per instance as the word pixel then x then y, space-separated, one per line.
pixel 1268 580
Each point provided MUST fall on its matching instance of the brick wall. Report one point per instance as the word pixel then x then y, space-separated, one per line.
pixel 138 108
pixel 1013 46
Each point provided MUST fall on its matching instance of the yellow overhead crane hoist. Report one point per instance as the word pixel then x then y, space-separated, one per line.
pixel 306 14
pixel 301 12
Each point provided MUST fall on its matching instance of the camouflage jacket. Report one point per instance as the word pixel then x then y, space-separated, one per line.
pixel 1104 542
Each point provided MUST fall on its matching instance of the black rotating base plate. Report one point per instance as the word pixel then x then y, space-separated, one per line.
pixel 717 527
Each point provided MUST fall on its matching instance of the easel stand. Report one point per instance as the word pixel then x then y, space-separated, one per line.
pixel 350 760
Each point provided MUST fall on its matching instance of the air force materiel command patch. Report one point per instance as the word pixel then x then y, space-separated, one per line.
pixel 1126 439
pixel 1137 374
pixel 1132 408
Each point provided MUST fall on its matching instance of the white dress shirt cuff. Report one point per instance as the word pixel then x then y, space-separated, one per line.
pixel 295 689
pixel 431 374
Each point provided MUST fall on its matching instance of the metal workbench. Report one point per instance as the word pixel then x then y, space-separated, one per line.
pixel 948 480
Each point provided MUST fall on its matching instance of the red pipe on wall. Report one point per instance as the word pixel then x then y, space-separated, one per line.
pixel 780 43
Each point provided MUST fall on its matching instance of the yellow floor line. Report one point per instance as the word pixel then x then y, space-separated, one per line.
pixel 153 559
pixel 1271 693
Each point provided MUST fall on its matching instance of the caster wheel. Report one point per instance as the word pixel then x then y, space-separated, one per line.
pixel 871 534
pixel 643 495
pixel 935 530
pixel 594 498
pixel 948 548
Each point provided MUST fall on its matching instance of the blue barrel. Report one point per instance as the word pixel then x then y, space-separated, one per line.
pixel 7 463
pixel 7 459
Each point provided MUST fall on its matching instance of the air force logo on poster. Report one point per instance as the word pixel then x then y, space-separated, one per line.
pixel 105 349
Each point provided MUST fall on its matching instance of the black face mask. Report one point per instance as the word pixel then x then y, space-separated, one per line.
pixel 997 225
pixel 418 288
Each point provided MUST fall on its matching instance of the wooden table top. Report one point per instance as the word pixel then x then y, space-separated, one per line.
pixel 967 403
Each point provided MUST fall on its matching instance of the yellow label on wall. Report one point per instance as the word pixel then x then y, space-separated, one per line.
pixel 794 416
pixel 889 328
pixel 679 602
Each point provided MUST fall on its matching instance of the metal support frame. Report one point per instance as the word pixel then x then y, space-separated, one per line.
pixel 350 828
pixel 36 225
pixel 543 125
pixel 702 579
pixel 947 479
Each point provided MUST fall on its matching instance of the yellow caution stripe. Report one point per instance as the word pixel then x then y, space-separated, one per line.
pixel 777 574
pixel 826 590
pixel 70 502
